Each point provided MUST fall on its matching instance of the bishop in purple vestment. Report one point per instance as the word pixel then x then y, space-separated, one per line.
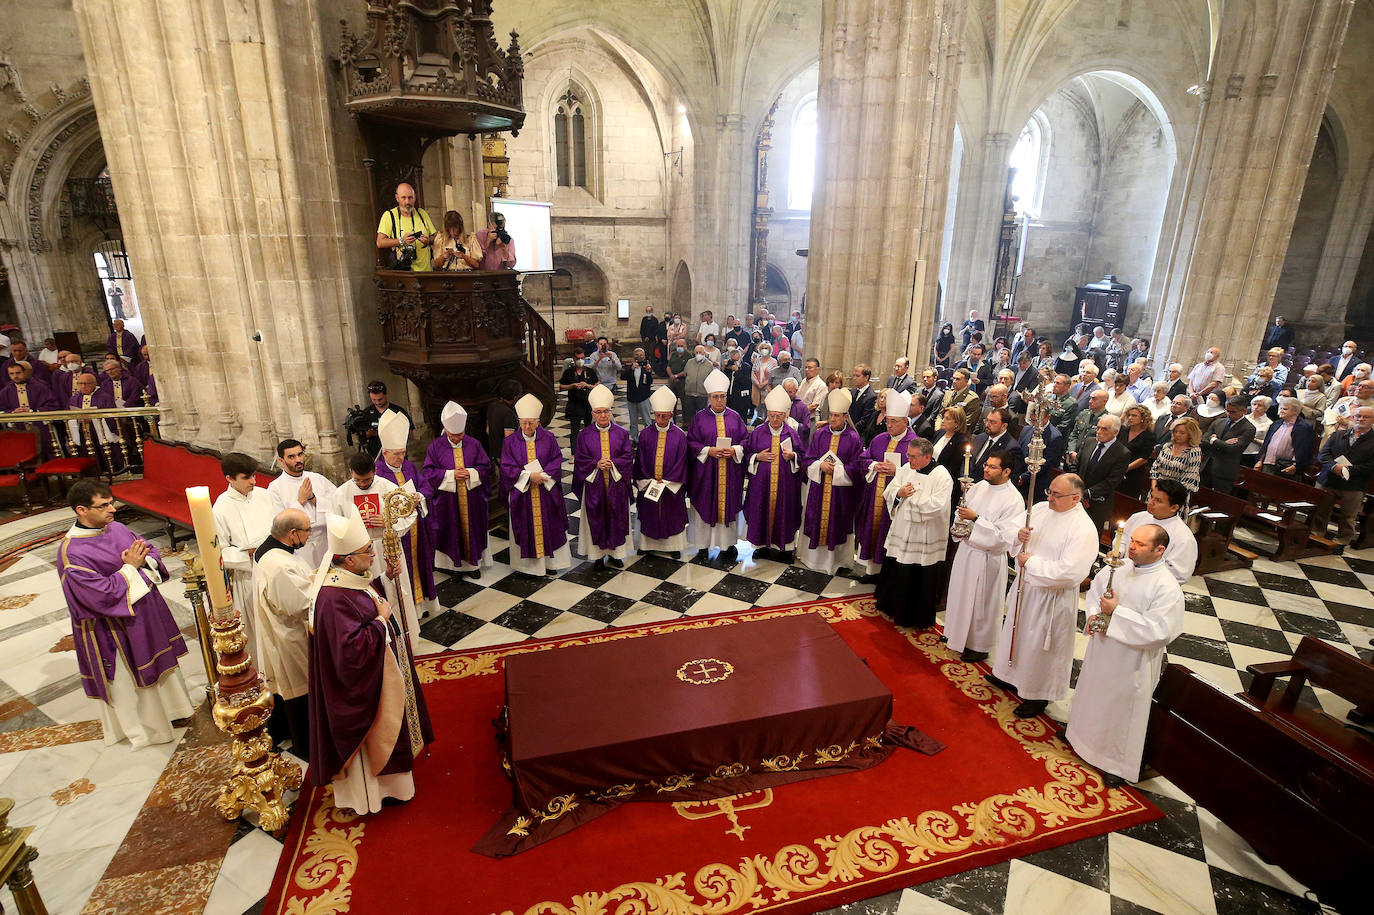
pixel 368 720
pixel 126 640
pixel 393 429
pixel 92 437
pixel 122 343
pixel 798 413
pixel 662 456
pixel 878 464
pixel 772 503
pixel 603 460
pixel 458 472
pixel 717 475
pixel 832 490
pixel 122 386
pixel 531 467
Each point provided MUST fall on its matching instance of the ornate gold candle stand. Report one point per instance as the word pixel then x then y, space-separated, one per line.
pixel 15 857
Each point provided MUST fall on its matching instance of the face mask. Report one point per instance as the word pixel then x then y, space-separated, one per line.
pixel 1347 350
pixel 701 357
pixel 710 341
pixel 581 362
pixel 680 351
pixel 1209 357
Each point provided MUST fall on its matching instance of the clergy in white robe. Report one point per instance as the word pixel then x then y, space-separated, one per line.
pixel 281 605
pixel 1054 554
pixel 1165 508
pixel 978 578
pixel 243 519
pixel 311 492
pixel 362 496
pixel 1129 630
pixel 917 540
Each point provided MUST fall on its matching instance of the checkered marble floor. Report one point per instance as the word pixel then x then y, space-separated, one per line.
pixel 1186 862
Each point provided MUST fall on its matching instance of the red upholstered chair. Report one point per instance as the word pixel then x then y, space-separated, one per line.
pixel 18 458
pixel 58 468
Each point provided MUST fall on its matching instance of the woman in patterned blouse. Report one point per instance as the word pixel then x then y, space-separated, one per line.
pixel 1181 458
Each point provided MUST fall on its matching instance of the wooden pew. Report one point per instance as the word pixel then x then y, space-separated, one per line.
pixel 1300 801
pixel 1364 525
pixel 1123 506
pixel 1293 512
pixel 1213 516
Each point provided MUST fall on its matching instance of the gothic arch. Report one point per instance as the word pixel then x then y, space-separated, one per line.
pixel 589 285
pixel 681 298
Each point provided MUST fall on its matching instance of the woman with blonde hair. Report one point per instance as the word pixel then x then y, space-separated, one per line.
pixel 950 440
pixel 1180 458
pixel 456 248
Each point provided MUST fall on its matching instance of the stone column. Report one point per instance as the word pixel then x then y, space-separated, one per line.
pixel 724 198
pixel 982 189
pixel 1257 125
pixel 220 136
pixel 889 72
pixel 1325 317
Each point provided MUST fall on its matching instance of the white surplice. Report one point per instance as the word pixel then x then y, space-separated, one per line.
pixel 1111 706
pixel 1181 553
pixel 344 506
pixel 919 534
pixel 978 576
pixel 284 491
pixel 243 523
pixel 281 583
pixel 1062 548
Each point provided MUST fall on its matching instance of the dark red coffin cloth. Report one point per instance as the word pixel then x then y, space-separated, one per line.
pixel 683 716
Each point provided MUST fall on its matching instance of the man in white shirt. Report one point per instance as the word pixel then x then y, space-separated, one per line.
pixel 708 327
pixel 812 389
pixel 1165 508
pixel 311 492
pixel 1345 364
pixel 1206 376
pixel 243 519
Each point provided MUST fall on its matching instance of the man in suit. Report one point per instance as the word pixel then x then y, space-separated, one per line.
pixel 996 436
pixel 1085 427
pixel 1055 441
pixel 996 400
pixel 1102 468
pixel 1345 364
pixel 861 411
pixel 1347 461
pixel 1179 408
pixel 1291 442
pixel 1085 388
pixel 648 329
pixel 1177 383
pixel 901 375
pixel 1222 445
pixel 962 394
pixel 979 368
pixel 1280 335
pixel 639 384
pixel 1024 377
pixel 1026 343
pixel 935 398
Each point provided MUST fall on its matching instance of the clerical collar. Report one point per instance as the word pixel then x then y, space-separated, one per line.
pixel 528 438
pixel 776 432
pixel 601 427
pixel 1157 564
pixel 717 412
pixel 268 545
pixel 80 530
pixel 396 469
pixel 662 428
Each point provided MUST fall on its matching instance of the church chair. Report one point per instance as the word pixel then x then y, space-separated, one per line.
pixel 18 457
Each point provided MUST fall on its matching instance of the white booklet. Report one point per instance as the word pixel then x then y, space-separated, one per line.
pixel 654 491
pixel 724 442
pixel 534 467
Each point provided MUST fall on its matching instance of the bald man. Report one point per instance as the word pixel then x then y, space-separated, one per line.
pixel 407 224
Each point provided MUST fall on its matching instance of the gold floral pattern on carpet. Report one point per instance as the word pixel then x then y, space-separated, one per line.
pixel 1074 794
pixel 50 736
pixel 16 601
pixel 64 796
pixel 66 643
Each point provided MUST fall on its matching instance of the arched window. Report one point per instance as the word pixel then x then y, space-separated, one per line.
pixel 801 169
pixel 1029 157
pixel 570 139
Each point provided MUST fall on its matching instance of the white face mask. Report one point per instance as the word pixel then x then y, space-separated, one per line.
pixel 701 357
pixel 1347 350
pixel 1209 357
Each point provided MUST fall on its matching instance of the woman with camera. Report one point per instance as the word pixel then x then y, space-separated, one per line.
pixel 456 248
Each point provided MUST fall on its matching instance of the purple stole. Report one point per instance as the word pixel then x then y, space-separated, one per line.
pixel 830 509
pixel 106 626
pixel 872 521
pixel 538 517
pixel 662 457
pixel 460 517
pixel 605 500
pixel 772 507
pixel 419 543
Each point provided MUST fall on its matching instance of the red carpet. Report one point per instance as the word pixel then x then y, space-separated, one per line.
pixel 1003 788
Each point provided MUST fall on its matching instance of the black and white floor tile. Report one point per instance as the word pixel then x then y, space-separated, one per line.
pixel 1188 862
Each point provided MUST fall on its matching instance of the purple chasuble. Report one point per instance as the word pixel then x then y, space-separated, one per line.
pixel 106 626
pixel 551 531
pixel 346 646
pixel 419 540
pixel 444 509
pixel 605 500
pixel 150 389
pixel 872 520
pixel 705 476
pixel 668 516
pixel 125 344
pixel 802 414
pixel 129 387
pixel 40 396
pixel 838 513
pixel 771 515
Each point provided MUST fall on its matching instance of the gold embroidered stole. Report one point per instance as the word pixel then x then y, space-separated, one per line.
pixel 773 481
pixel 86 401
pixel 536 504
pixel 460 491
pixel 605 454
pixel 118 388
pixel 659 451
pixel 824 536
pixel 721 473
pixel 23 391
pixel 415 586
pixel 881 480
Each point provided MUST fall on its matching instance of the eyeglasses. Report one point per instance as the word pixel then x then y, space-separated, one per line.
pixel 365 551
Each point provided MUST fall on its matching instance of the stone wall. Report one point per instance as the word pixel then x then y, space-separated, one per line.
pixel 789 228
pixel 1310 229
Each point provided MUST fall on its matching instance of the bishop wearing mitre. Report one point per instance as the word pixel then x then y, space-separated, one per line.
pixel 392 466
pixel 603 462
pixel 368 720
pixel 878 465
pixel 458 473
pixel 715 442
pixel 661 478
pixel 531 470
pixel 772 507
pixel 833 481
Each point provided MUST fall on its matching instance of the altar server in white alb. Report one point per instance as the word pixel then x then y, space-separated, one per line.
pixel 363 497
pixel 978 578
pixel 312 493
pixel 917 539
pixel 1035 654
pixel 243 519
pixel 1165 508
pixel 1129 630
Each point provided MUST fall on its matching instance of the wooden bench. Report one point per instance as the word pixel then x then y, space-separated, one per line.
pixel 1270 773
pixel 1364 525
pixel 1293 512
pixel 168 469
pixel 1214 516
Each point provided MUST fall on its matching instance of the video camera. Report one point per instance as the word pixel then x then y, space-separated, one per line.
pixel 357 423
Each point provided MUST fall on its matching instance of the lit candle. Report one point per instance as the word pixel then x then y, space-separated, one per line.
pixel 1116 544
pixel 968 453
pixel 207 541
